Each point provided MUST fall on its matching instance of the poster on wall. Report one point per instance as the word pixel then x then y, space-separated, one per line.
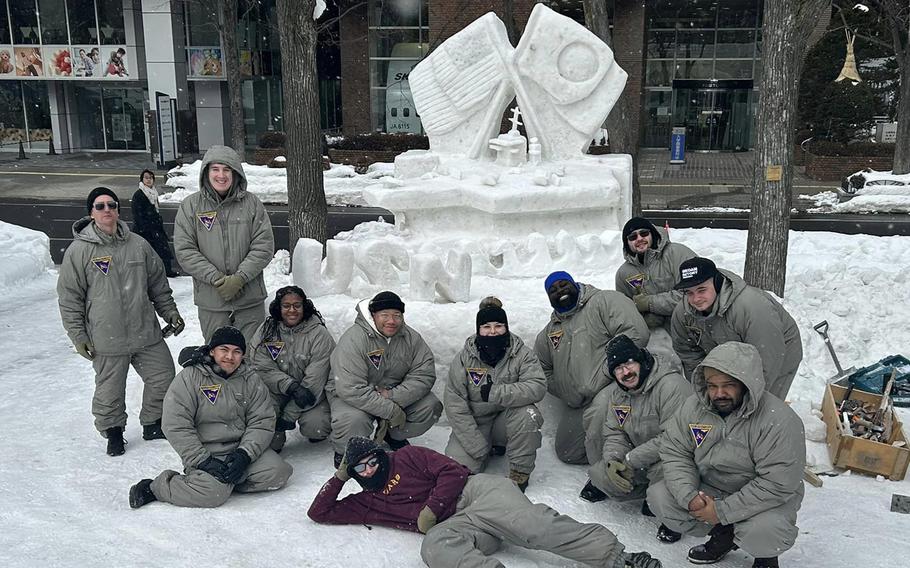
pixel 115 62
pixel 205 62
pixel 28 62
pixel 7 65
pixel 87 61
pixel 58 61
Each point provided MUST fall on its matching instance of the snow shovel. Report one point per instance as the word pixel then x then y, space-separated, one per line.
pixel 822 329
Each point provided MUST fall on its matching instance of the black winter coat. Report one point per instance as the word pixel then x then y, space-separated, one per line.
pixel 148 223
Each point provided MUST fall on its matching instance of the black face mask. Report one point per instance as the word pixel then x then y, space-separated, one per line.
pixel 563 296
pixel 379 479
pixel 492 348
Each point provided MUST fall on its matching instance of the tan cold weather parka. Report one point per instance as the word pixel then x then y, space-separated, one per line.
pixel 655 274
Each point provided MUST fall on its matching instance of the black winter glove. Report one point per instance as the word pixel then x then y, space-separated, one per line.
pixel 485 390
pixel 236 462
pixel 303 396
pixel 214 467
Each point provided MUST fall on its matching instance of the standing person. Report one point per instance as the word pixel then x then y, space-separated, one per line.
pixel 733 461
pixel 491 395
pixel 644 398
pixel 649 273
pixel 721 307
pixel 291 354
pixel 384 371
pixel 465 517
pixel 111 285
pixel 223 238
pixel 147 221
pixel 571 348
pixel 218 416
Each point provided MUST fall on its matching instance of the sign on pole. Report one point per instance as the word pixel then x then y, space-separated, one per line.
pixel 678 145
pixel 167 129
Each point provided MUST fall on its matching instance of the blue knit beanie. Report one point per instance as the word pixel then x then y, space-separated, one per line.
pixel 556 277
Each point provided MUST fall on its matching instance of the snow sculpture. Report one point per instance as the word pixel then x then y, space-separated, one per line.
pixel 318 277
pixel 380 262
pixel 452 281
pixel 511 148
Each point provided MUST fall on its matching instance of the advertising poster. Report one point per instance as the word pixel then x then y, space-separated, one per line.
pixel 205 62
pixel 115 62
pixel 58 61
pixel 28 62
pixel 7 61
pixel 87 61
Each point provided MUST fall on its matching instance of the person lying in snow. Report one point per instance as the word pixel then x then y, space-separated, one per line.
pixel 464 517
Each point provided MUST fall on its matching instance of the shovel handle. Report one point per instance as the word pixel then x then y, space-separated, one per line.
pixel 822 328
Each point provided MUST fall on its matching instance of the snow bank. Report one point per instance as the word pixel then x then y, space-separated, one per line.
pixel 882 192
pixel 24 255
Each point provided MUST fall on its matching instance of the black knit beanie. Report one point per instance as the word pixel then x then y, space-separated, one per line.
pixel 386 301
pixel 228 335
pixel 93 195
pixel 491 311
pixel 621 350
pixel 358 448
pixel 634 224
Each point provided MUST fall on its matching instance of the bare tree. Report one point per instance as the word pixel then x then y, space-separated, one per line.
pixel 786 29
pixel 624 139
pixel 308 212
pixel 227 20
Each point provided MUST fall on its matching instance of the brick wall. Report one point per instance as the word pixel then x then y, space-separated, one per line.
pixel 836 168
pixel 447 17
pixel 355 71
pixel 628 46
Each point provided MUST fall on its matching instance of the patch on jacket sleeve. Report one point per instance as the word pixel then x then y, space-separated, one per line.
pixel 555 338
pixel 211 392
pixel 207 218
pixel 476 374
pixel 274 348
pixel 700 432
pixel 102 263
pixel 375 357
pixel 637 281
pixel 622 412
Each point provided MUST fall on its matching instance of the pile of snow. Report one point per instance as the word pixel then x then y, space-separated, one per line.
pixel 881 192
pixel 58 481
pixel 343 185
pixel 24 255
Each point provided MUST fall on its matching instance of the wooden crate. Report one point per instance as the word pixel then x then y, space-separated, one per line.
pixel 858 454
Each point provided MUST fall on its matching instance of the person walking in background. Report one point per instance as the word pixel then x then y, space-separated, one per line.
pixel 147 221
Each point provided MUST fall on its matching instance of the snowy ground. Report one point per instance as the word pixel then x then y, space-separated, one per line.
pixel 64 502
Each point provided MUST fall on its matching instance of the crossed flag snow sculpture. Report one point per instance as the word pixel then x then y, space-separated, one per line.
pixel 564 77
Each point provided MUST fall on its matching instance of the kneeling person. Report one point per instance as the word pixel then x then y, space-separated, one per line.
pixel 219 418
pixel 465 517
pixel 490 397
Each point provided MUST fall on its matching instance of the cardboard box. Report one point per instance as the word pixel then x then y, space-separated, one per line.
pixel 858 454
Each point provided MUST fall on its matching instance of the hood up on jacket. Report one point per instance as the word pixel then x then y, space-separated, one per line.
pixel 742 362
pixel 83 231
pixel 222 155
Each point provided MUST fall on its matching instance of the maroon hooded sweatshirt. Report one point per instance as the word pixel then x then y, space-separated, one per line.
pixel 418 477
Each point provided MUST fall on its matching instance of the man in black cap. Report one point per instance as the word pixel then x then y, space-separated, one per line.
pixel 465 517
pixel 645 396
pixel 111 285
pixel 219 418
pixel 650 270
pixel 721 307
pixel 384 372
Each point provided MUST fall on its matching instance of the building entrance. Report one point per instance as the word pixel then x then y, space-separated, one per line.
pixel 717 114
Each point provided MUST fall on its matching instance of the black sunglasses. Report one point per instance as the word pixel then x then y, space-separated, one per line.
pixel 642 233
pixel 362 467
pixel 112 205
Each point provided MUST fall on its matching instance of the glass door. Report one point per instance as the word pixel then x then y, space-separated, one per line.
pixel 715 119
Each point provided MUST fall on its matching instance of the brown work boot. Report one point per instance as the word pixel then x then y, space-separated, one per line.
pixel 520 479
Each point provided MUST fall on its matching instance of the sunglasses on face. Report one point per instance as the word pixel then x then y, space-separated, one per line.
pixel 362 467
pixel 641 233
pixel 112 205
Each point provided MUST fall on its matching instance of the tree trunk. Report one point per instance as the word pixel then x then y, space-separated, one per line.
pixel 597 20
pixel 902 144
pixel 307 211
pixel 784 40
pixel 508 18
pixel 227 16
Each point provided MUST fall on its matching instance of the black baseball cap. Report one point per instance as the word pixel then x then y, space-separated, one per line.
pixel 695 271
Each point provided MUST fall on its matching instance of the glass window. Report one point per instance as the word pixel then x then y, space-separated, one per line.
pixel 202 24
pixel 735 44
pixel 695 45
pixel 123 118
pixel 661 44
pixel 37 113
pixel 12 119
pixel 733 69
pixel 5 36
pixel 384 43
pixel 657 122
pixel 659 73
pixel 664 13
pixel 53 21
pixel 89 118
pixel 737 14
pixel 694 69
pixel 25 22
pixel 83 28
pixel 110 22
pixel 397 13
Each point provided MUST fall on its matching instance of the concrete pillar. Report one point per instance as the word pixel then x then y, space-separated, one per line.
pixel 60 116
pixel 165 50
pixel 212 113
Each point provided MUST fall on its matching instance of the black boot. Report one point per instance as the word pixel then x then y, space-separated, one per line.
pixel 645 509
pixel 282 425
pixel 153 431
pixel 396 444
pixel 498 451
pixel 141 494
pixel 591 493
pixel 115 441
pixel 640 560
pixel 666 534
pixel 720 543
pixel 766 563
